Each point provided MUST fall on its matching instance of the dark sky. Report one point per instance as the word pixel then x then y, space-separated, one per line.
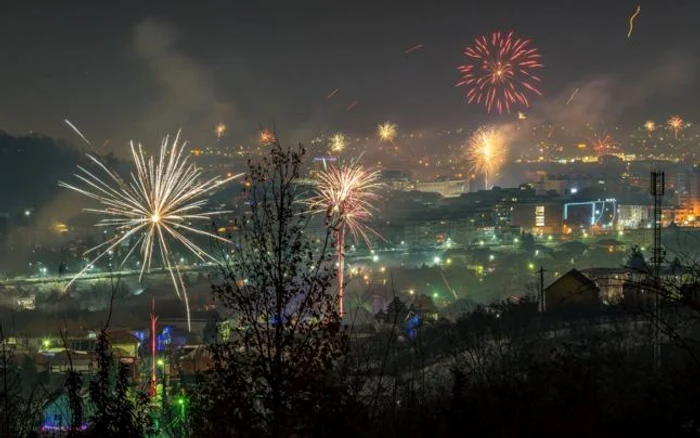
pixel 137 69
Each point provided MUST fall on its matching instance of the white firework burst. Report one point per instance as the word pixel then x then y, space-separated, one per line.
pixel 156 206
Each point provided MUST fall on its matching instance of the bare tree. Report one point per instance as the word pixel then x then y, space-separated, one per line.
pixel 286 333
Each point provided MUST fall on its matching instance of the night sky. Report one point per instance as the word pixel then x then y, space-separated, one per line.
pixel 128 69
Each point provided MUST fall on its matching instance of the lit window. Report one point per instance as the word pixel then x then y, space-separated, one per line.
pixel 539 216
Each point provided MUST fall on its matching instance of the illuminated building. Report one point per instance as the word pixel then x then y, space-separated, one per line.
pixel 446 188
pixel 601 214
pixel 397 180
pixel 539 218
pixel 694 191
pixel 633 216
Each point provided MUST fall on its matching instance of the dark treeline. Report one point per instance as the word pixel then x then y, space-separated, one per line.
pixel 284 365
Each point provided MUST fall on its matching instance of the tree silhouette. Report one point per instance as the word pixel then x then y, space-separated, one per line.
pixel 285 330
pixel 527 243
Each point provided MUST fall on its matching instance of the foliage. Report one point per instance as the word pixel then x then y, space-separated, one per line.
pixel 271 375
pixel 116 415
pixel 21 394
pixel 74 386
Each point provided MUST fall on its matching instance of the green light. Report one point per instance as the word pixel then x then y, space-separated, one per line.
pixel 181 401
pixel 160 362
pixel 46 343
pixel 435 295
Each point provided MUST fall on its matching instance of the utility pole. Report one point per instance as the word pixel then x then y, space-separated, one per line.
pixel 657 191
pixel 541 299
pixel 154 319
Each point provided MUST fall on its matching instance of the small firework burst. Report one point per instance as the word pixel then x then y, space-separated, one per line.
pixel 387 131
pixel 338 142
pixel 486 152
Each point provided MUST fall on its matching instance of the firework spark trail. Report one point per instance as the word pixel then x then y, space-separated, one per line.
pixel 449 288
pixel 77 131
pixel 500 71
pixel 387 131
pixel 352 105
pixel 639 9
pixel 332 93
pixel 156 204
pixel 414 48
pixel 572 96
pixel 346 193
pixel 486 152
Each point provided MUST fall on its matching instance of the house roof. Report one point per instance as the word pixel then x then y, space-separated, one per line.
pixel 423 303
pixel 121 337
pixel 53 326
pixel 575 275
pixel 599 272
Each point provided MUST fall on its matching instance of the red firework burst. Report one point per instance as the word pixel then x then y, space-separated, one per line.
pixel 603 145
pixel 500 71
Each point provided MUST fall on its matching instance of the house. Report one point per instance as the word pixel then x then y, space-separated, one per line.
pixel 125 344
pixel 49 333
pixel 572 290
pixel 423 305
pixel 194 359
pixel 610 281
pixel 61 362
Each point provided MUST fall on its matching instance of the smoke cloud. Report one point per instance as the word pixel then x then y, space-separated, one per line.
pixel 187 95
pixel 610 95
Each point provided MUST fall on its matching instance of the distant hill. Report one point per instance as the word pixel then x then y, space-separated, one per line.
pixel 30 167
